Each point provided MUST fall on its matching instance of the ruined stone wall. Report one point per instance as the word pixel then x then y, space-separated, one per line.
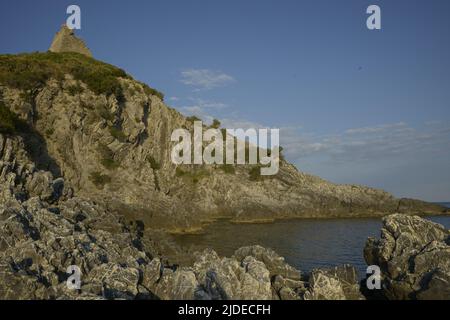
pixel 66 41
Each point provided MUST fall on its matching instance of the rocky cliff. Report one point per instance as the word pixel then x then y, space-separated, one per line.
pixel 67 117
pixel 86 179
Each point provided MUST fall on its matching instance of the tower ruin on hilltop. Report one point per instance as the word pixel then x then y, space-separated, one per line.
pixel 66 41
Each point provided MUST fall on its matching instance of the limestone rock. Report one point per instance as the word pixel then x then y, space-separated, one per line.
pixel 288 289
pixel 414 257
pixel 338 283
pixel 116 149
pixel 72 187
pixel 274 263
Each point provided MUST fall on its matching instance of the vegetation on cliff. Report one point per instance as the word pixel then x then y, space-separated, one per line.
pixel 9 122
pixel 30 71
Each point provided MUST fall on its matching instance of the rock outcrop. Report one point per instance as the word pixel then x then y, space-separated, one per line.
pixel 86 179
pixel 414 257
pixel 108 137
pixel 44 229
pixel 253 273
pixel 338 283
pixel 66 41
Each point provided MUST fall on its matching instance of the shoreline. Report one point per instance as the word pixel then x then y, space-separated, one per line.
pixel 199 230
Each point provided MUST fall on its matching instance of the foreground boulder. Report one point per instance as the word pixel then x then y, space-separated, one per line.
pixel 414 257
pixel 253 273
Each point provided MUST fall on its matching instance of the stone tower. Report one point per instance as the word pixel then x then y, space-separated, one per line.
pixel 66 41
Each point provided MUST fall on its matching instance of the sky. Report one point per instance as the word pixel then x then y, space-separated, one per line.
pixel 353 105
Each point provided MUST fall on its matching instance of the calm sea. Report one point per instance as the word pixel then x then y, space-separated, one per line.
pixel 305 243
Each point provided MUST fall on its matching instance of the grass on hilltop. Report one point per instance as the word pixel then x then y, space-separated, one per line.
pixel 30 71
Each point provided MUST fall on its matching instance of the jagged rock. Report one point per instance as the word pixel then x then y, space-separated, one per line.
pixel 21 286
pixel 210 277
pixel 40 184
pixel 114 281
pixel 116 149
pixel 228 278
pixel 167 284
pixel 288 289
pixel 324 287
pixel 338 283
pixel 274 263
pixel 66 41
pixel 414 257
pixel 72 187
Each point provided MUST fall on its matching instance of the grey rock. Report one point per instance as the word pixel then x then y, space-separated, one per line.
pixel 121 167
pixel 338 283
pixel 288 289
pixel 274 263
pixel 414 258
pixel 72 190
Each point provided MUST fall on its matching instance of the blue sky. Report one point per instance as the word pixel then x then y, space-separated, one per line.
pixel 353 105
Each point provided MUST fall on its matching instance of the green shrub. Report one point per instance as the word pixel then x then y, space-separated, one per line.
pixel 179 172
pixel 228 168
pixel 216 124
pixel 255 173
pixel 110 164
pixel 49 132
pixel 99 179
pixel 193 119
pixel 31 71
pixel 151 91
pixel 192 176
pixel 155 165
pixel 10 123
pixel 107 157
pixel 75 89
pixel 104 113
pixel 117 134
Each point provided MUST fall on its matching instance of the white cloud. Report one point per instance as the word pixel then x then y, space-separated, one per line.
pixel 380 128
pixel 202 108
pixel 375 143
pixel 204 79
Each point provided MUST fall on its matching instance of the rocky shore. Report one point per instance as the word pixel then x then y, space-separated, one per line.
pixel 120 260
pixel 86 179
pixel 44 229
pixel 108 137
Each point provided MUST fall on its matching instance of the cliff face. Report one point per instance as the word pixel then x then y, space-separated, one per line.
pixel 86 178
pixel 109 140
